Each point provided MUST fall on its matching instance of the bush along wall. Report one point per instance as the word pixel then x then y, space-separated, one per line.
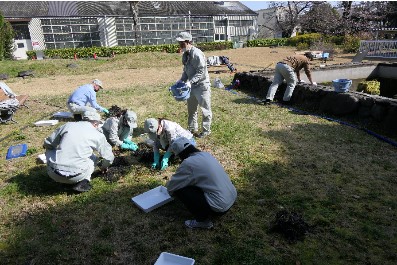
pixel 88 52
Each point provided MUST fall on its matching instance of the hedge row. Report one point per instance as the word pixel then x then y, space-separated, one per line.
pixel 88 52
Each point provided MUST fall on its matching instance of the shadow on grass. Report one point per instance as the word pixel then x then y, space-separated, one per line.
pixel 341 196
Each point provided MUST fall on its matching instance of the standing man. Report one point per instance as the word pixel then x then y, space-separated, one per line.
pixel 195 72
pixel 77 102
pixel 69 152
pixel 289 70
pixel 201 183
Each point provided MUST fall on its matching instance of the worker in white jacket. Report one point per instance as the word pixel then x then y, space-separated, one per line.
pixel 201 183
pixel 119 128
pixel 70 152
pixel 163 132
pixel 195 73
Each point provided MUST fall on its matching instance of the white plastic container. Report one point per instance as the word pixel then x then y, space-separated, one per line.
pixel 64 115
pixel 46 123
pixel 166 258
pixel 152 199
pixel 42 158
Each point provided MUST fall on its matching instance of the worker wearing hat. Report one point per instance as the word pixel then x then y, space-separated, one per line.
pixel 69 151
pixel 163 132
pixel 201 183
pixel 289 69
pixel 83 95
pixel 195 72
pixel 118 129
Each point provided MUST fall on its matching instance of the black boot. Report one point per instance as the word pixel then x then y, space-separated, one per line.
pixel 82 186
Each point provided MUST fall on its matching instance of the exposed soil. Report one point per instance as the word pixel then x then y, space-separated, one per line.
pixel 244 59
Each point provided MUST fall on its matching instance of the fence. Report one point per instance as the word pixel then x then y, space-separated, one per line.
pixel 379 48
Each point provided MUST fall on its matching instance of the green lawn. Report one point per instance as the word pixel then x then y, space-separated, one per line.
pixel 341 180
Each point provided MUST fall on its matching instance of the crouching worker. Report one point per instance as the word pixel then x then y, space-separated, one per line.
pixel 163 132
pixel 69 152
pixel 201 184
pixel 119 128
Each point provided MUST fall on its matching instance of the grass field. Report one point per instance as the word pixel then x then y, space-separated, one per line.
pixel 341 180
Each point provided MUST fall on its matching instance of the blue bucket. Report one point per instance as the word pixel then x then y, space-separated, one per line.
pixel 341 85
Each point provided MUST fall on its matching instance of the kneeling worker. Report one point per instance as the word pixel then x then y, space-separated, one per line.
pixel 83 95
pixel 69 152
pixel 201 184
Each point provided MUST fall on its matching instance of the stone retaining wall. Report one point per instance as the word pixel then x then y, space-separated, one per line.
pixel 366 109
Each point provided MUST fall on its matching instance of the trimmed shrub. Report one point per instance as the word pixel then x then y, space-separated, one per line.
pixel 304 38
pixel 351 44
pixel 88 52
pixel 369 87
pixel 266 42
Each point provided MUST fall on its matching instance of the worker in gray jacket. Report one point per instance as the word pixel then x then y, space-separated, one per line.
pixel 201 183
pixel 163 132
pixel 195 73
pixel 118 129
pixel 69 152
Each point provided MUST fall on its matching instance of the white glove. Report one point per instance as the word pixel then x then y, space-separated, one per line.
pixel 314 84
pixel 188 84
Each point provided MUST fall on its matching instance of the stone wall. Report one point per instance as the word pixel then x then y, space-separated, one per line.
pixel 364 108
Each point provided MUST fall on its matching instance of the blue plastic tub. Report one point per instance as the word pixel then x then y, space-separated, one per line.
pixel 341 85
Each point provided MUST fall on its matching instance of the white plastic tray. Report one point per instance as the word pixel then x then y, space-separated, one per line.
pixel 42 158
pixel 62 115
pixel 46 123
pixel 166 258
pixel 152 199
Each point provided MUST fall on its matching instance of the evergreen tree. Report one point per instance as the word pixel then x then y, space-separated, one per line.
pixel 6 39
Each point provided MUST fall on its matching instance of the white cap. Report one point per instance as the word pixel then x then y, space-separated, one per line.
pixel 180 144
pixel 97 82
pixel 131 118
pixel 184 36
pixel 92 116
pixel 151 125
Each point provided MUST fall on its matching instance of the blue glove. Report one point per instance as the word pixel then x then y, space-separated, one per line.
pixel 133 146
pixel 164 162
pixel 106 111
pixel 125 146
pixel 127 141
pixel 156 158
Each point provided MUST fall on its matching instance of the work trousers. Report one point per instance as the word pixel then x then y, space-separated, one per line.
pixel 73 178
pixel 199 96
pixel 77 109
pixel 283 71
pixel 194 200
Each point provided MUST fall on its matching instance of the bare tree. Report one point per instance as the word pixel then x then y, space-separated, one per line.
pixel 288 14
pixel 134 13
pixel 362 16
pixel 321 18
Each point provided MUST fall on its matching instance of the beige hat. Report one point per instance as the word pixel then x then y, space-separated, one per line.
pixel 131 118
pixel 98 83
pixel 184 36
pixel 180 144
pixel 91 116
pixel 151 125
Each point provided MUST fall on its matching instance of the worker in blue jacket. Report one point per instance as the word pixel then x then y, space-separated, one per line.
pixel 83 95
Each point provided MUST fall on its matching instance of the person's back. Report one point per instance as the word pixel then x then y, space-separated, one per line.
pixel 297 62
pixel 209 175
pixel 77 143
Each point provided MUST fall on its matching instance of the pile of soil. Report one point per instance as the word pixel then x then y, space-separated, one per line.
pixel 291 225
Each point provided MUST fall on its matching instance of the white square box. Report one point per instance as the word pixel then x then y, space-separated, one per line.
pixel 46 123
pixel 63 114
pixel 42 158
pixel 152 199
pixel 166 258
